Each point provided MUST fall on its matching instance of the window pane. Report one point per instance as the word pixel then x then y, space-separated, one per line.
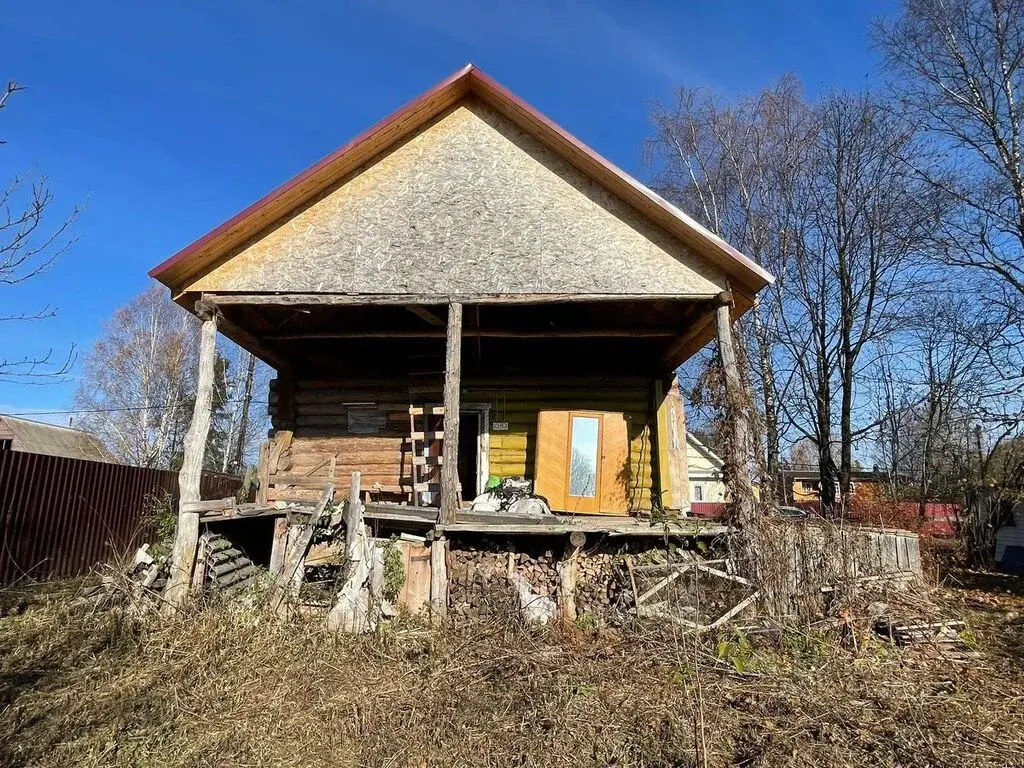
pixel 583 466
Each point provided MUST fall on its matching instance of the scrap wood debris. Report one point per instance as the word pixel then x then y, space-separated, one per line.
pixel 945 636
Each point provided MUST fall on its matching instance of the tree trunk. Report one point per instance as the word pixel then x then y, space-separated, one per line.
pixel 186 539
pixel 846 438
pixel 737 455
pixel 827 471
pixel 769 488
pixel 243 426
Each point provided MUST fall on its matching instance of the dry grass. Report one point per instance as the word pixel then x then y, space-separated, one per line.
pixel 226 687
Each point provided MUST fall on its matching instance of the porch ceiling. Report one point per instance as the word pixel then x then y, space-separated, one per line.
pixel 649 337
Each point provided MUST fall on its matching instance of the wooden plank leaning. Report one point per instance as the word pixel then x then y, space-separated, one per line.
pixel 284 584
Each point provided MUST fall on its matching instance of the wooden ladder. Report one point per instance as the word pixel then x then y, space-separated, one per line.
pixel 419 438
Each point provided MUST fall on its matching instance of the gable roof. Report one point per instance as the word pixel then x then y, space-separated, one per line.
pixel 713 458
pixel 190 262
pixel 52 440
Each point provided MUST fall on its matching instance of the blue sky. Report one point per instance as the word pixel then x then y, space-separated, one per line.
pixel 163 119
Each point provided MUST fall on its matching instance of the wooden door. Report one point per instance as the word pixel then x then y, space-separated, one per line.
pixel 582 463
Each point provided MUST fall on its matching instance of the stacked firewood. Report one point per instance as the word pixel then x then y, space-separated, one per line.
pixel 478 582
pixel 539 571
pixel 601 581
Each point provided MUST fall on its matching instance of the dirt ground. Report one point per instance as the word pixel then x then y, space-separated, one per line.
pixel 224 686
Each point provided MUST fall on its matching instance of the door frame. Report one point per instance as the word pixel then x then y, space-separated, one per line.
pixel 483 442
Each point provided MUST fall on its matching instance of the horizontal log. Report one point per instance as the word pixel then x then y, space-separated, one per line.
pixel 695 528
pixel 340 443
pixel 637 396
pixel 437 299
pixel 478 333
pixel 391 383
pixel 209 506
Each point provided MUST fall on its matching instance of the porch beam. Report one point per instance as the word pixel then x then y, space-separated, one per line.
pixel 340 299
pixel 684 347
pixel 246 339
pixel 450 447
pixel 186 540
pixel 510 333
pixel 426 315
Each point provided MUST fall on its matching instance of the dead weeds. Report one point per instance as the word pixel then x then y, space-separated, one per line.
pixel 222 686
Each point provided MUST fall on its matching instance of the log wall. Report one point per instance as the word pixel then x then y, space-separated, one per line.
pixel 364 425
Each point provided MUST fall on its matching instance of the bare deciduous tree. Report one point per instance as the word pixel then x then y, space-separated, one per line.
pixel 821 194
pixel 861 219
pixel 28 247
pixel 958 71
pixel 138 380
pixel 138 385
pixel 733 164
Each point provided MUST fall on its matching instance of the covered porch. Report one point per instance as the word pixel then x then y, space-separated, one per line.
pixel 371 384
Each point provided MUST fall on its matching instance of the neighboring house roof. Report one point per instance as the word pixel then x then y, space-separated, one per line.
pixel 28 436
pixel 863 475
pixel 708 455
pixel 182 268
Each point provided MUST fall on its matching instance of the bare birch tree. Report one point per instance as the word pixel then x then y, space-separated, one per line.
pixel 138 380
pixel 733 165
pixel 138 387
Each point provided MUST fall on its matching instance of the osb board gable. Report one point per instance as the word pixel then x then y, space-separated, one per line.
pixel 469 205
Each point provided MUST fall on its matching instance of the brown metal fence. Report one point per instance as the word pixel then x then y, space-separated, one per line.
pixel 59 516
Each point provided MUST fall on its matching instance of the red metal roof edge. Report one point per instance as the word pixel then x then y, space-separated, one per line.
pixel 483 85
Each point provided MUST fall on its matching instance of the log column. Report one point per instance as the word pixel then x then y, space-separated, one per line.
pixel 186 540
pixel 673 472
pixel 737 455
pixel 450 447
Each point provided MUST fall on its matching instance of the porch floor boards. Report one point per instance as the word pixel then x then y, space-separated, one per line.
pixel 494 523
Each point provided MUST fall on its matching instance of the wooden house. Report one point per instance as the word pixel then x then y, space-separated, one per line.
pixel 567 292
pixel 466 291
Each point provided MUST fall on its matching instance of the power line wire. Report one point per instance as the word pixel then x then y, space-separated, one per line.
pixel 111 410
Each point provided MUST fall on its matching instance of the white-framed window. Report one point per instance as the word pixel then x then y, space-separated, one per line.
pixel 698 492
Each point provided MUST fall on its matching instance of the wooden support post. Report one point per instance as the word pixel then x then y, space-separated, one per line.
pixel 279 547
pixel 353 515
pixel 673 474
pixel 450 448
pixel 263 472
pixel 186 539
pixel 566 569
pixel 738 476
pixel 439 577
